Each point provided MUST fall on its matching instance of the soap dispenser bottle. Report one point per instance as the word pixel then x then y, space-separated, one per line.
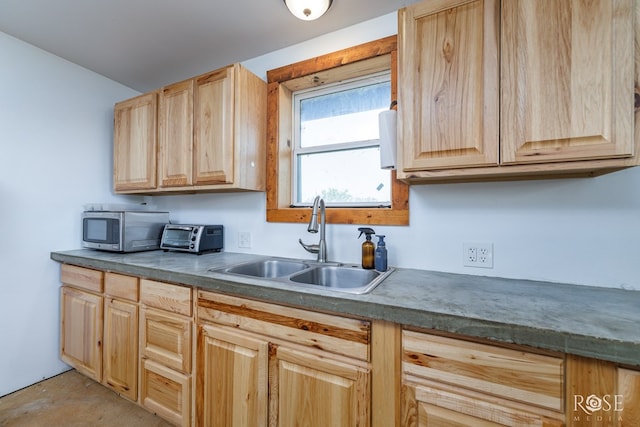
pixel 381 254
pixel 368 248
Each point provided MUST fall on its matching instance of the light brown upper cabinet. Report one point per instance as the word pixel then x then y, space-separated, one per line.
pixel 448 86
pixel 493 89
pixel 215 128
pixel 175 154
pixel 211 135
pixel 135 143
pixel 567 80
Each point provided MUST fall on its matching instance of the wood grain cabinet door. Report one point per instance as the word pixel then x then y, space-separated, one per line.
pixel 214 123
pixel 232 378
pixel 120 358
pixel 567 80
pixel 448 84
pixel 628 389
pixel 135 143
pixel 310 389
pixel 81 331
pixel 176 134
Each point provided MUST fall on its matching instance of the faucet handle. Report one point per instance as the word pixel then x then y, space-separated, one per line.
pixel 314 249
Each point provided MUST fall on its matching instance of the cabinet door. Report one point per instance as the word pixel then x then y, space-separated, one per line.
pixel 176 134
pixel 135 145
pixel 81 331
pixel 567 80
pixel 232 378
pixel 629 391
pixel 121 347
pixel 448 85
pixel 308 389
pixel 213 136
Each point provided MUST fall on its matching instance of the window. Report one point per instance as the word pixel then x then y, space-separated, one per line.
pixel 353 84
pixel 335 134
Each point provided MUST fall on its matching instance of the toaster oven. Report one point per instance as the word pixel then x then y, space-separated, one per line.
pixel 192 238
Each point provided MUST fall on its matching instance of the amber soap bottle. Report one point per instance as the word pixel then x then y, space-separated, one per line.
pixel 368 248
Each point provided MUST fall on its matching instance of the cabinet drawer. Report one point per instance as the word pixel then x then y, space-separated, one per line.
pixel 335 334
pixel 121 286
pixel 173 298
pixel 166 393
pixel 166 338
pixel 85 278
pixel 517 375
pixel 450 406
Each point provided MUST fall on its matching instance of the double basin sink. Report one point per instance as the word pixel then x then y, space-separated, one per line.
pixel 336 276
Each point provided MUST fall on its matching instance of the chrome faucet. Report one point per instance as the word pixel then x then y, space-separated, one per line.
pixel 321 247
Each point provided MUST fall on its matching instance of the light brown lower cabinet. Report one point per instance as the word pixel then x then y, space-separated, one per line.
pixel 120 347
pixel 166 338
pixel 262 364
pixel 453 382
pixel 99 328
pixel 628 392
pixel 166 330
pixel 166 392
pixel 232 378
pixel 312 389
pixel 602 393
pixel 120 361
pixel 81 331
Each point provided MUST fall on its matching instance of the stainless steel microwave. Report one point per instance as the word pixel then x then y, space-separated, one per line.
pixel 123 231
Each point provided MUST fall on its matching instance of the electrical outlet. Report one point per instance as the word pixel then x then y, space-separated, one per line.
pixel 477 255
pixel 244 239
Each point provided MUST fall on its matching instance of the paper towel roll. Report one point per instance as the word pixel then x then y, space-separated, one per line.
pixel 387 124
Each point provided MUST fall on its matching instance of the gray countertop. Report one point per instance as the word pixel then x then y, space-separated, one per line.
pixel 595 322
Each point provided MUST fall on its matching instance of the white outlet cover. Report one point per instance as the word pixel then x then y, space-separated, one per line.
pixel 244 239
pixel 477 254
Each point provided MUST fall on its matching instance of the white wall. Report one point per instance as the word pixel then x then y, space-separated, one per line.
pixel 55 155
pixel 580 231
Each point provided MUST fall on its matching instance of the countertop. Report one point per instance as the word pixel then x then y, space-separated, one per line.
pixel 602 323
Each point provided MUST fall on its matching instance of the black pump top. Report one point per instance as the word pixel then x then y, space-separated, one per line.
pixel 367 231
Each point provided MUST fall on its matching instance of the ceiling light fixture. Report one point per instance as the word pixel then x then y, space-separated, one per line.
pixel 308 10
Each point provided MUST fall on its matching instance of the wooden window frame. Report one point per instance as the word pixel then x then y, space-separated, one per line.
pixel 358 60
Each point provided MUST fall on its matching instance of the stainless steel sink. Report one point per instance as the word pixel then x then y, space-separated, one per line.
pixel 338 277
pixel 267 268
pixel 349 279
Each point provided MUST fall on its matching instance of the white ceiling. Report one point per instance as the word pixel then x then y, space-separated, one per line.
pixel 145 44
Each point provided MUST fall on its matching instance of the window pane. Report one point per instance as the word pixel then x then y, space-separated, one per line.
pixel 343 116
pixel 348 176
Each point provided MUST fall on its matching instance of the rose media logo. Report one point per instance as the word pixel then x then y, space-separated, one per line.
pixel 604 408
